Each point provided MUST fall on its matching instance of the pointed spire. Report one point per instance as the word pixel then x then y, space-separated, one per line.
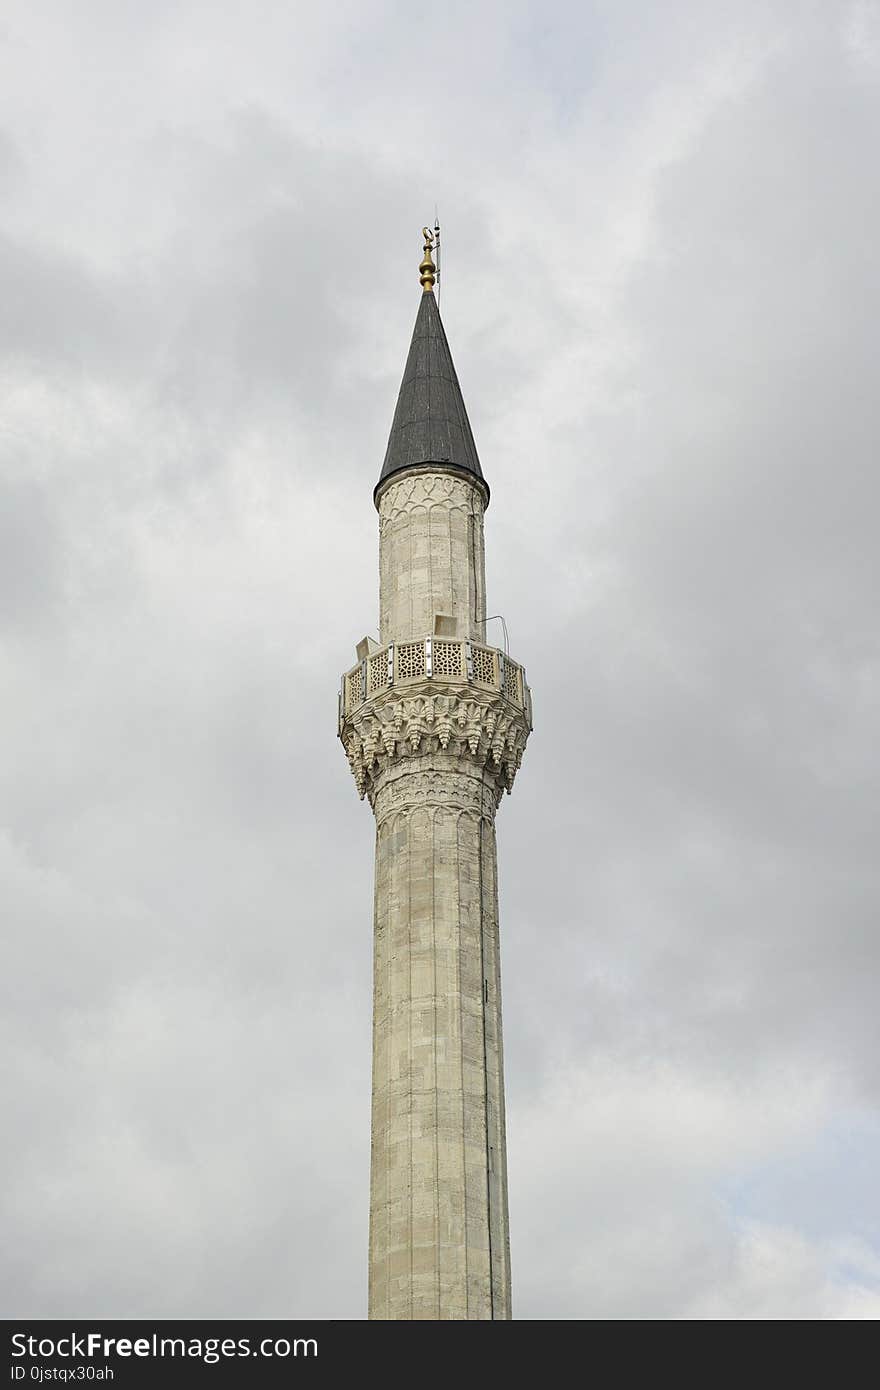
pixel 430 423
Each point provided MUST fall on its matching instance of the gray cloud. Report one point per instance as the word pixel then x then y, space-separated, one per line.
pixel 660 294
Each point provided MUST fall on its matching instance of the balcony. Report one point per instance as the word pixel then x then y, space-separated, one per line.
pixel 440 660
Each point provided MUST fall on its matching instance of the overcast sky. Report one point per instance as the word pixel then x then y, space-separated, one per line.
pixel 660 286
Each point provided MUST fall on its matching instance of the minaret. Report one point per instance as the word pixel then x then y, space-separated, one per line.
pixel 434 722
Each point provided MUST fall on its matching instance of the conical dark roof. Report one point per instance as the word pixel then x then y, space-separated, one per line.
pixel 430 423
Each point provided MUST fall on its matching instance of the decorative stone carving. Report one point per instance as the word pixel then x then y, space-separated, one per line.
pixel 435 787
pixel 480 728
pixel 406 666
pixel 427 490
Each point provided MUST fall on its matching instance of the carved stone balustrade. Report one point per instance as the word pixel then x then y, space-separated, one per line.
pixel 435 694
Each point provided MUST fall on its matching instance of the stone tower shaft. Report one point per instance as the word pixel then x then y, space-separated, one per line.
pixel 434 723
pixel 431 556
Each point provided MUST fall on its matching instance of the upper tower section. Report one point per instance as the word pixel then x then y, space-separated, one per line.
pixel 431 495
pixel 430 429
pixel 430 695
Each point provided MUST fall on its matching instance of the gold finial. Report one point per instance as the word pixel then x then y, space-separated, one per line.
pixel 426 269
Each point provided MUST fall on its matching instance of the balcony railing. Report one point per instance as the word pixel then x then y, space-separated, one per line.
pixel 438 659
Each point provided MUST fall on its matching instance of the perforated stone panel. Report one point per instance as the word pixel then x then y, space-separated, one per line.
pixel 513 682
pixel 448 658
pixel 355 688
pixel 484 665
pixel 410 659
pixel 377 672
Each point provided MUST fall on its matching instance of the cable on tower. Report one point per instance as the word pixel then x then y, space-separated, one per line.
pixel 504 626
